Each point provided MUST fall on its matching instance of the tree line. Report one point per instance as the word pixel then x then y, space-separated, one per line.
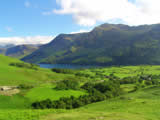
pixel 96 92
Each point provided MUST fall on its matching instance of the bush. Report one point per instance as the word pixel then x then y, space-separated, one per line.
pixel 68 84
pixel 24 86
pixel 69 103
pixel 25 65
pixel 147 82
pixel 88 86
pixel 64 71
pixel 97 92
pixel 128 80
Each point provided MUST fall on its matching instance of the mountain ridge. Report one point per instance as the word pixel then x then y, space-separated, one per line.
pixel 19 51
pixel 107 44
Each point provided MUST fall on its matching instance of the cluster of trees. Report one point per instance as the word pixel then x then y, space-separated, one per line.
pixel 141 79
pixel 25 65
pixel 129 80
pixel 148 80
pixel 64 71
pixel 96 92
pixel 68 84
pixel 25 86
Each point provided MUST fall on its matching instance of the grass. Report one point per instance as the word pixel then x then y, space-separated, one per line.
pixel 14 102
pixel 10 75
pixel 143 104
pixel 47 91
pixel 127 87
pixel 122 71
pixel 27 114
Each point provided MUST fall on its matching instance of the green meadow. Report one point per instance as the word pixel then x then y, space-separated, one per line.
pixel 11 75
pixel 47 91
pixel 142 104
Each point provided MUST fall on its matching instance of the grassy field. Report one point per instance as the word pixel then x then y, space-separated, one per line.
pixel 13 102
pixel 123 71
pixel 47 91
pixel 10 75
pixel 143 104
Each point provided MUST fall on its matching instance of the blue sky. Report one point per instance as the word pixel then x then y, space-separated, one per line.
pixel 23 20
pixel 39 21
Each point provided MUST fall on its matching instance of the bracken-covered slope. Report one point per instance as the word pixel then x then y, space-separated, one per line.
pixel 107 44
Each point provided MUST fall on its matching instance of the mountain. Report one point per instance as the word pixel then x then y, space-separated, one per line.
pixel 107 44
pixel 2 50
pixel 5 46
pixel 19 51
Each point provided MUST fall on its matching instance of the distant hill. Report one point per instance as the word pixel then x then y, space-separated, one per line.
pixel 19 51
pixel 5 46
pixel 2 50
pixel 107 44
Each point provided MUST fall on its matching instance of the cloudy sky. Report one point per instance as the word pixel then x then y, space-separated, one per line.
pixel 39 21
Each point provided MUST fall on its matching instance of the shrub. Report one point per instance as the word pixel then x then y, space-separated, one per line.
pixel 97 92
pixel 88 86
pixel 64 71
pixel 68 84
pixel 25 86
pixel 25 65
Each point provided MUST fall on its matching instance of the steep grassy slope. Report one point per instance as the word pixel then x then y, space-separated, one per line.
pixel 107 44
pixel 43 81
pixel 11 75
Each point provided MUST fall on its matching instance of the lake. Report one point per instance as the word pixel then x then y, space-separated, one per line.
pixel 66 66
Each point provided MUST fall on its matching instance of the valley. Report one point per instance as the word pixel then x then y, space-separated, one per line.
pixel 39 84
pixel 79 60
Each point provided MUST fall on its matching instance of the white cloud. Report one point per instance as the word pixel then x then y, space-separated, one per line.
pixel 27 4
pixel 9 29
pixel 26 40
pixel 89 12
pixel 80 31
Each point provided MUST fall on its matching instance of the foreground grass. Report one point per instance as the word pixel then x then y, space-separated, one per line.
pixel 141 105
pixel 14 102
pixel 27 114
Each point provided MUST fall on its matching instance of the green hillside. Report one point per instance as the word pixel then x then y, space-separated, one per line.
pixel 141 105
pixel 107 44
pixel 12 75
pixel 139 99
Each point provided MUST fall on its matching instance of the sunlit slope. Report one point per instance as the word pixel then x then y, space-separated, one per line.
pixel 11 75
pixel 107 44
pixel 141 105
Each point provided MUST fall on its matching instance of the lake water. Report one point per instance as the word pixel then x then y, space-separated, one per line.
pixel 66 66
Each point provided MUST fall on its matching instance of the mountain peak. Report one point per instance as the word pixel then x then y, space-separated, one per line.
pixel 107 44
